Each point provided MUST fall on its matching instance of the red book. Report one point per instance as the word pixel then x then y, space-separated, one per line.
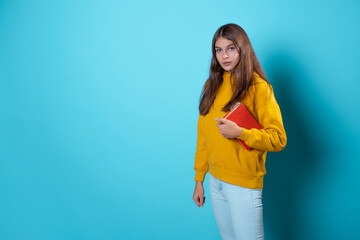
pixel 243 118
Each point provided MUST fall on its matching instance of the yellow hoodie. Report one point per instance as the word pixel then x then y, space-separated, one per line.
pixel 226 159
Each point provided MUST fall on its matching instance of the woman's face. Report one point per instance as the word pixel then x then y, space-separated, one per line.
pixel 226 54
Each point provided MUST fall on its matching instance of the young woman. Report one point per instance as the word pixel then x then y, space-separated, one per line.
pixel 236 174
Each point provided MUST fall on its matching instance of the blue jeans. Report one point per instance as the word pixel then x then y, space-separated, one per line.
pixel 238 211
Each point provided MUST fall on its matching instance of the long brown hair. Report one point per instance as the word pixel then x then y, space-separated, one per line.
pixel 243 72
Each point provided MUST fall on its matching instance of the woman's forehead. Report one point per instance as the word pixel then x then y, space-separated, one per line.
pixel 223 42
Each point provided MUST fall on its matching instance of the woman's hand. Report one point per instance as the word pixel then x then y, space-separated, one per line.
pixel 228 128
pixel 198 196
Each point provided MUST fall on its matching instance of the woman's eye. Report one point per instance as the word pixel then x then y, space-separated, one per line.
pixel 218 50
pixel 231 48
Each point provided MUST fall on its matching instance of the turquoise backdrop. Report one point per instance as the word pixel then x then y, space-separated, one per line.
pixel 98 114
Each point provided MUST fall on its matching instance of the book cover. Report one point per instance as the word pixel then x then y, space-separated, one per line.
pixel 243 118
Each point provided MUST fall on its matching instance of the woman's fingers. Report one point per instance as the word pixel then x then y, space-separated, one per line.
pixel 198 196
pixel 196 200
pixel 228 128
pixel 201 201
pixel 222 120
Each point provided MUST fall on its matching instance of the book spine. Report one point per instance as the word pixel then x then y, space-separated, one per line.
pixel 233 109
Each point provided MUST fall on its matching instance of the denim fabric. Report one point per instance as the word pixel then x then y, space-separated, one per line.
pixel 238 211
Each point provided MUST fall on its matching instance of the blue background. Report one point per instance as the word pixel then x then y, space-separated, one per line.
pixel 98 113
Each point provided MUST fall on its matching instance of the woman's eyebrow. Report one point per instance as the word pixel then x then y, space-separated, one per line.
pixel 226 46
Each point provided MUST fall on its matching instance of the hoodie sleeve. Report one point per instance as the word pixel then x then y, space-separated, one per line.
pixel 272 137
pixel 201 164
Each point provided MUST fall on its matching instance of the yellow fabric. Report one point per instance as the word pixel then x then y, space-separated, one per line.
pixel 227 159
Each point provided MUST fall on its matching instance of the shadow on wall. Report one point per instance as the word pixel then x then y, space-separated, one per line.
pixel 290 171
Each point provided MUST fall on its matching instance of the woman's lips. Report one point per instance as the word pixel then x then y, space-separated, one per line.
pixel 226 63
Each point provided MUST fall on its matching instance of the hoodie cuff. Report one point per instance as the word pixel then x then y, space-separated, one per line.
pixel 245 134
pixel 200 176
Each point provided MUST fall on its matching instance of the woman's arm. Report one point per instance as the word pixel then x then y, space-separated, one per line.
pixel 272 136
pixel 201 164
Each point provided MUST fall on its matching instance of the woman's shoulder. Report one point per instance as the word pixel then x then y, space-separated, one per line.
pixel 261 90
pixel 260 84
pixel 258 80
